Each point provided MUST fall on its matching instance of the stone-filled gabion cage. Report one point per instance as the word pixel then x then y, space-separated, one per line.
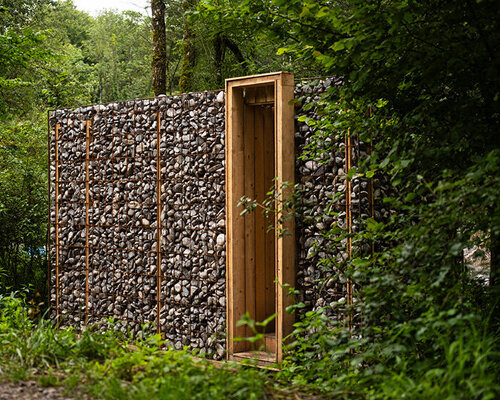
pixel 137 215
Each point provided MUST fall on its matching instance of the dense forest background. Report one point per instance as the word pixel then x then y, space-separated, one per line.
pixel 421 82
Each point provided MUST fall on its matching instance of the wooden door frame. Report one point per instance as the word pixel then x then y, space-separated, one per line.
pixel 235 188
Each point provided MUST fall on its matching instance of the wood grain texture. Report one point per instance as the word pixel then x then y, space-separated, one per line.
pixel 158 219
pixel 249 180
pixel 259 146
pixel 235 223
pixel 285 172
pixel 270 223
pixel 260 228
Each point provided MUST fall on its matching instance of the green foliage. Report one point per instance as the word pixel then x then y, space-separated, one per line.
pixel 278 206
pixel 20 50
pixel 106 365
pixel 23 205
pixel 118 49
pixel 421 83
pixel 52 55
pixel 257 329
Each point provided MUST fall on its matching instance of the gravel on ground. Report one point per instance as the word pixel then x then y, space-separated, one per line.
pixel 31 390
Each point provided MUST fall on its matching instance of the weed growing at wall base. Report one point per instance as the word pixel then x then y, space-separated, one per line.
pixel 108 365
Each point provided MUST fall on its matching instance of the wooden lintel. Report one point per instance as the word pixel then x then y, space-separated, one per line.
pixel 285 78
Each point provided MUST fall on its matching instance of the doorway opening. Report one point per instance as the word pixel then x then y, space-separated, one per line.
pixel 260 262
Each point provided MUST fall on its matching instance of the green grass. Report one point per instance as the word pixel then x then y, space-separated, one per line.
pixel 110 365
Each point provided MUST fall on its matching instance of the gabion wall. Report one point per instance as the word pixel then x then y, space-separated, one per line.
pixel 324 203
pixel 108 205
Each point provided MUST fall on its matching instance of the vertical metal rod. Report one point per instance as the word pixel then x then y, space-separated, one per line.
pixel 371 199
pixel 348 166
pixel 158 218
pixel 371 192
pixel 87 204
pixel 56 220
pixel 48 249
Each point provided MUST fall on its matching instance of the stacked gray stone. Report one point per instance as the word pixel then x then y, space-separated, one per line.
pixel 193 222
pixel 123 223
pixel 320 178
pixel 322 208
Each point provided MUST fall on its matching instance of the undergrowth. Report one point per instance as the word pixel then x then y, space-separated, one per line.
pixel 464 364
pixel 111 365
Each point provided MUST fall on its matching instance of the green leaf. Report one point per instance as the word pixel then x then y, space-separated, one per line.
pixel 337 46
pixel 410 197
pixel 405 163
pixel 323 12
pixel 351 173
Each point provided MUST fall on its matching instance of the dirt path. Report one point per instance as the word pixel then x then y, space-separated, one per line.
pixel 30 390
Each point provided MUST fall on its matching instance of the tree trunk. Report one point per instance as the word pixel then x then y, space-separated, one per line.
pixel 188 51
pixel 159 63
pixel 219 49
pixel 231 45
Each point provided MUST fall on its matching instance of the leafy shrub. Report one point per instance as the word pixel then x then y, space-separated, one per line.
pixel 109 365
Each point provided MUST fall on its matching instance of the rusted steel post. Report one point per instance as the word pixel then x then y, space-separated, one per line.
pixel 56 218
pixel 158 218
pixel 348 216
pixel 87 228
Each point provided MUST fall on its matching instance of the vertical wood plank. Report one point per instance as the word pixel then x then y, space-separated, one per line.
pixel 260 224
pixel 49 219
pixel 270 248
pixel 229 226
pixel 260 94
pixel 87 224
pixel 249 95
pixel 235 240
pixel 249 182
pixel 285 160
pixel 270 93
pixel 371 192
pixel 371 199
pixel 56 218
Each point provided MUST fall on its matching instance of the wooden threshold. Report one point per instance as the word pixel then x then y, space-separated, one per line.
pixel 261 358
